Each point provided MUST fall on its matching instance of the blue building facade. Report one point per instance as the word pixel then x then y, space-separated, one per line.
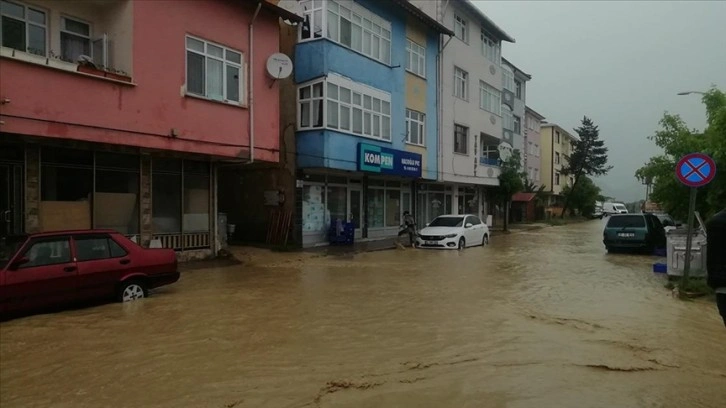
pixel 366 131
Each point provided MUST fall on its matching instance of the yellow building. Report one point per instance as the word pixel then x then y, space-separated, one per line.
pixel 557 146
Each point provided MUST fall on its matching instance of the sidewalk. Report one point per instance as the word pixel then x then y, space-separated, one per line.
pixel 258 256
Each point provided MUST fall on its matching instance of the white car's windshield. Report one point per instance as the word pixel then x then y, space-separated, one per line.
pixel 447 222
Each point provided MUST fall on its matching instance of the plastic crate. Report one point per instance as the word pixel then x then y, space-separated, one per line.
pixel 660 267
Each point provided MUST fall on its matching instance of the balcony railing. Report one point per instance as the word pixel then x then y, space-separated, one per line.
pixel 489 161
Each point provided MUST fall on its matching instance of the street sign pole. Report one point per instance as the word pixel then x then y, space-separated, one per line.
pixel 693 170
pixel 689 239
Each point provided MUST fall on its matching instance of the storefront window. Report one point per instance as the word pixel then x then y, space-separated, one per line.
pixel 313 216
pixel 66 188
pixel 196 196
pixel 436 204
pixel 376 208
pixel 393 208
pixel 116 197
pixel 337 204
pixel 166 196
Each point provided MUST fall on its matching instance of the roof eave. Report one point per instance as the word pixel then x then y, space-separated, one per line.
pixel 423 17
pixel 516 69
pixel 281 12
pixel 534 113
pixel 489 25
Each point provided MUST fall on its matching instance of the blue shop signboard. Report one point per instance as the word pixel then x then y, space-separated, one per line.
pixel 382 160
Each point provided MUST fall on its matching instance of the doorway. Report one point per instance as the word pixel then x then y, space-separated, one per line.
pixel 11 199
pixel 355 204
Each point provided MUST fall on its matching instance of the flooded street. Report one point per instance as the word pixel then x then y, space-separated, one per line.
pixel 543 318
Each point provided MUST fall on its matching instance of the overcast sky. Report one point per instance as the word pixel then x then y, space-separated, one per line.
pixel 621 63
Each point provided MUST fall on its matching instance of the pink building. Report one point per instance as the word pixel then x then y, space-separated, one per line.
pixel 118 113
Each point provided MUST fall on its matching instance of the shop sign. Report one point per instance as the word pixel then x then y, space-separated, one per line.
pixel 382 160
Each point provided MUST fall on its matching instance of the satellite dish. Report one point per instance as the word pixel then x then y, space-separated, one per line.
pixel 292 6
pixel 279 66
pixel 505 151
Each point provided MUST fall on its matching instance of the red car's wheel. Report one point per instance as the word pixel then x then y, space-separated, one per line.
pixel 132 290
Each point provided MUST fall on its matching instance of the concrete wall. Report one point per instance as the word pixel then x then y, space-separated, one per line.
pixel 549 167
pixel 533 136
pixel 547 158
pixel 421 95
pixel 457 167
pixel 241 188
pixel 143 114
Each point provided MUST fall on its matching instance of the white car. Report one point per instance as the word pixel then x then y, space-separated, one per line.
pixel 453 232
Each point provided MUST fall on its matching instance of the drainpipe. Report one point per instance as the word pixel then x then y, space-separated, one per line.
pixel 439 104
pixel 250 81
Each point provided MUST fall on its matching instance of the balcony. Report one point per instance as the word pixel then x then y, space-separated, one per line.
pixel 93 37
pixel 489 161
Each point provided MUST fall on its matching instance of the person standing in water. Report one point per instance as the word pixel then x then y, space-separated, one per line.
pixel 409 227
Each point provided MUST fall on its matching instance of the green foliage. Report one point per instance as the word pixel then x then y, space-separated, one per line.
pixel 582 198
pixel 510 183
pixel 510 178
pixel 589 158
pixel 677 140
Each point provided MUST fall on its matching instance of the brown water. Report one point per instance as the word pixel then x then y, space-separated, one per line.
pixel 537 319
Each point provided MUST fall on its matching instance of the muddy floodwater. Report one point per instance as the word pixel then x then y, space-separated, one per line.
pixel 543 318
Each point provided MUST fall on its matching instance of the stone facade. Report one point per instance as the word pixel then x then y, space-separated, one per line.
pixel 32 189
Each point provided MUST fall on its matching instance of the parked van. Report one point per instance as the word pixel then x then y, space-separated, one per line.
pixel 634 231
pixel 610 208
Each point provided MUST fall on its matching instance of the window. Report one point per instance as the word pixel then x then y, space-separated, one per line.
pixel 507 79
pixel 311 106
pixel 416 59
pixel 489 155
pixel 507 118
pixel 536 174
pixel 23 28
pixel 461 83
pixel 536 150
pixel 213 71
pixel 461 30
pixel 89 248
pixel 557 179
pixel 75 39
pixel 557 158
pixel 166 193
pixel 518 88
pixel 349 107
pixel 490 48
pixel 517 124
pixel 474 220
pixel 196 196
pixel 415 127
pixel 461 139
pixel 557 137
pixel 490 99
pixel 350 25
pixel 116 193
pixel 48 252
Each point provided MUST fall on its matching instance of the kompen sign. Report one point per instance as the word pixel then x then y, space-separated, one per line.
pixel 382 160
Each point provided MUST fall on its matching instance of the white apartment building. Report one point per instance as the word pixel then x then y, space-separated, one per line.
pixel 470 104
pixel 514 93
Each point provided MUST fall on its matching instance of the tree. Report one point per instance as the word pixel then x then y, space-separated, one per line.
pixel 510 183
pixel 589 156
pixel 677 140
pixel 583 198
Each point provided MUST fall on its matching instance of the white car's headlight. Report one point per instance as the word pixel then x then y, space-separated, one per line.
pixel 451 235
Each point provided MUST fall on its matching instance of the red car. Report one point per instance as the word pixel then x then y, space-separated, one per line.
pixel 54 268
